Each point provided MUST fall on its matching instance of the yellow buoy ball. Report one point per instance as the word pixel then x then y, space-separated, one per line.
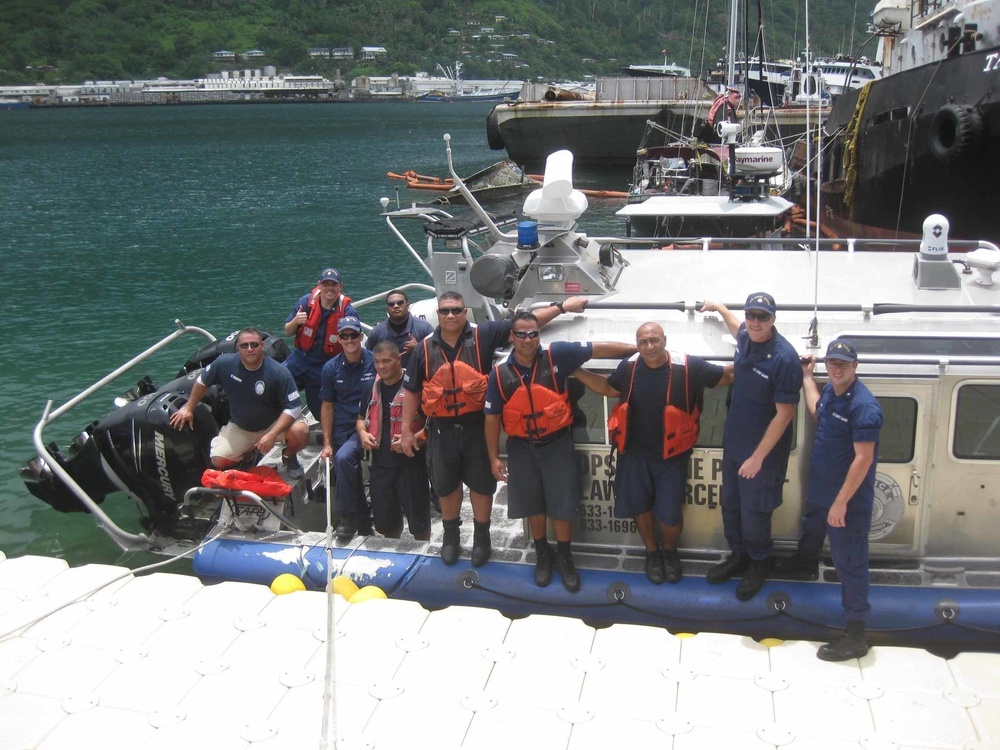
pixel 682 636
pixel 286 583
pixel 344 586
pixel 367 594
pixel 771 642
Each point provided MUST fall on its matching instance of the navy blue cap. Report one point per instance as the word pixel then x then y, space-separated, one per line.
pixel 330 274
pixel 843 350
pixel 348 323
pixel 761 301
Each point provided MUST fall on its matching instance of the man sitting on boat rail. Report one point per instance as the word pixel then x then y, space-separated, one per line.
pixel 346 379
pixel 757 439
pixel 447 376
pixel 264 407
pixel 527 394
pixel 655 427
pixel 313 323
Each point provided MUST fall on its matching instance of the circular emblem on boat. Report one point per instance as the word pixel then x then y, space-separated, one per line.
pixel 258 387
pixel 889 506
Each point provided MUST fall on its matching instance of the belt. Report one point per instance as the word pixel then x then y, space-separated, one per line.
pixel 547 439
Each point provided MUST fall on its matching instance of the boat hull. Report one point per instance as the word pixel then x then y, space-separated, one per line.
pixel 947 617
pixel 895 179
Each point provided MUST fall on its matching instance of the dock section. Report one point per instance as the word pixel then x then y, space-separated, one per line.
pixel 96 657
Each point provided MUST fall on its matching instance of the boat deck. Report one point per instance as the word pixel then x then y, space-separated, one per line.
pixel 95 657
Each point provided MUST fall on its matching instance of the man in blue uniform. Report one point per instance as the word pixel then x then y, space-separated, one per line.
pixel 344 379
pixel 446 377
pixel 660 388
pixel 757 440
pixel 313 323
pixel 841 489
pixel 398 483
pixel 400 327
pixel 527 395
pixel 264 406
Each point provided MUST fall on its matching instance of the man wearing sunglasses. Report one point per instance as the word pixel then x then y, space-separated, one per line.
pixel 446 377
pixel 757 439
pixel 400 327
pixel 527 395
pixel 313 323
pixel 345 379
pixel 264 406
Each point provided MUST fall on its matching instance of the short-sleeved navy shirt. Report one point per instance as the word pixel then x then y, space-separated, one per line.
pixel 567 357
pixel 763 375
pixel 649 399
pixel 387 331
pixel 256 397
pixel 853 417
pixel 344 384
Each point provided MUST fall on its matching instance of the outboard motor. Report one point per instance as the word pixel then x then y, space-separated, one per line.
pixel 135 449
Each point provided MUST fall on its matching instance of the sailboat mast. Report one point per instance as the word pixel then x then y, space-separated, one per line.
pixel 731 73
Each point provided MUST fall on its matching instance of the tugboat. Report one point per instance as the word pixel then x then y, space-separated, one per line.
pixel 924 138
pixel 922 314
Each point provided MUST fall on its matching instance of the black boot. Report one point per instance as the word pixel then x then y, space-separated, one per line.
pixel 543 563
pixel 451 545
pixel 852 645
pixel 481 543
pixel 798 567
pixel 654 566
pixel 754 579
pixel 567 571
pixel 734 565
pixel 672 568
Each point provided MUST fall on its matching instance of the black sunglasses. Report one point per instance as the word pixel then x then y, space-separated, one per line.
pixel 526 334
pixel 450 310
pixel 250 345
pixel 762 317
pixel 396 303
pixel 352 336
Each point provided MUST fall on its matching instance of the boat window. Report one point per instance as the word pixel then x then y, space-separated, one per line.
pixel 589 424
pixel 977 423
pixel 713 418
pixel 928 346
pixel 899 429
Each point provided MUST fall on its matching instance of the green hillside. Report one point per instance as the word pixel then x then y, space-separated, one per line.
pixel 69 41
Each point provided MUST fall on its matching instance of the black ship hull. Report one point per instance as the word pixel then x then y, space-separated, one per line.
pixel 923 141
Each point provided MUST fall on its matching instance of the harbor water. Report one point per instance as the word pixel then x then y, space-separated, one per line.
pixel 117 221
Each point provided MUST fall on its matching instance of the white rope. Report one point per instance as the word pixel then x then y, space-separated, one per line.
pixel 126 574
pixel 328 738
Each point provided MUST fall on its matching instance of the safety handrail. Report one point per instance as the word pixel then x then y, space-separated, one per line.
pixel 124 539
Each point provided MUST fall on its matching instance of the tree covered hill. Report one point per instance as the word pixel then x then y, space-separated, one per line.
pixel 70 41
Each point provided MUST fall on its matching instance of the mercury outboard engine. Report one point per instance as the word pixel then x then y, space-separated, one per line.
pixel 135 449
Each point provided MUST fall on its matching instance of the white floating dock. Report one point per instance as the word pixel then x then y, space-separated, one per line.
pixel 162 661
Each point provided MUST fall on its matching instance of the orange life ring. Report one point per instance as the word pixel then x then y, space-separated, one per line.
pixel 261 480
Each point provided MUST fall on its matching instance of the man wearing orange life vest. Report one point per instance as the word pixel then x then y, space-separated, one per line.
pixel 527 395
pixel 446 375
pixel 313 323
pixel 398 484
pixel 654 427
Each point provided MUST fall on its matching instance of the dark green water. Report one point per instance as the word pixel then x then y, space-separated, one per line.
pixel 114 222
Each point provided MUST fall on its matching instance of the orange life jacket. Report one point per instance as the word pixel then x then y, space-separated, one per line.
pixel 452 387
pixel 305 337
pixel 395 413
pixel 536 410
pixel 261 480
pixel 680 426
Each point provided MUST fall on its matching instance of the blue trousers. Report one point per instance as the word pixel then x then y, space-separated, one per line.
pixel 747 505
pixel 849 549
pixel 350 500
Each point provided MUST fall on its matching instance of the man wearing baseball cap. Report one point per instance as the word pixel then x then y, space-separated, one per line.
pixel 313 323
pixel 344 380
pixel 767 378
pixel 841 490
